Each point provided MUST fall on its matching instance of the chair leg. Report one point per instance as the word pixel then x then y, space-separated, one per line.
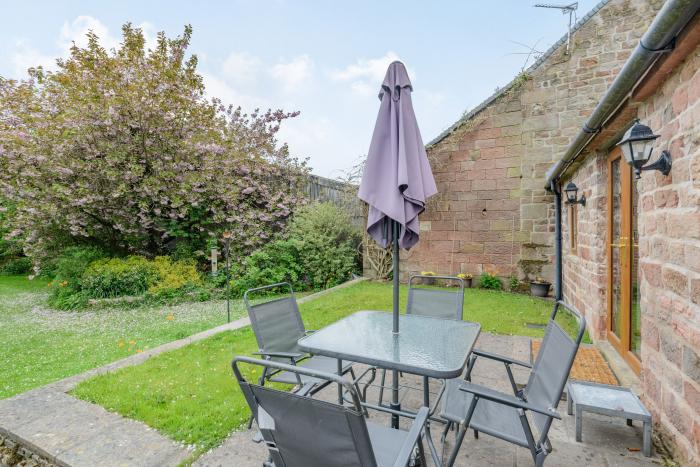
pixel 458 443
pixel 476 434
pixel 421 452
pixel 381 386
pixel 359 392
pixel 261 382
pixel 448 425
pixel 539 459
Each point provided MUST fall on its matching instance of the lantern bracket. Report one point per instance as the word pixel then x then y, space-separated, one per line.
pixel 663 164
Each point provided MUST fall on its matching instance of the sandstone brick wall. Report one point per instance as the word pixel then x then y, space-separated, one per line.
pixel 668 225
pixel 492 212
pixel 669 247
pixel 585 266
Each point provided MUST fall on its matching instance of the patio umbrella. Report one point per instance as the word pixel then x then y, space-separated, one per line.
pixel 396 181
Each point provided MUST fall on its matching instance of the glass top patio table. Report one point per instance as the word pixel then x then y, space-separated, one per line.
pixel 433 347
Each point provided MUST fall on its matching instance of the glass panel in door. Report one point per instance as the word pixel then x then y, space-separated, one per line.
pixel 636 318
pixel 615 248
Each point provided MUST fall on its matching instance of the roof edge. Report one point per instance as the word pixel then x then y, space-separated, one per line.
pixel 501 91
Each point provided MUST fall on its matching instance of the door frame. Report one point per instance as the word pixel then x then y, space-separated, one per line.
pixel 621 343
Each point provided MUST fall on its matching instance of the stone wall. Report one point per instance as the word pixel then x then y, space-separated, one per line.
pixel 13 454
pixel 492 212
pixel 585 265
pixel 669 247
pixel 669 259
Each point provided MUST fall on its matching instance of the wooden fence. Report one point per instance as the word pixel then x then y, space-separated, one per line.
pixel 342 194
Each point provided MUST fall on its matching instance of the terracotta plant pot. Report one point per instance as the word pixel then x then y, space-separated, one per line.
pixel 540 289
pixel 467 283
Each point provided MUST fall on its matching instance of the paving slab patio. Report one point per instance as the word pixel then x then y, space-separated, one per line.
pixel 607 442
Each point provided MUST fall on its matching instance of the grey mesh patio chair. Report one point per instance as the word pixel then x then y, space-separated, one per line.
pixel 303 432
pixel 446 303
pixel 278 326
pixel 505 416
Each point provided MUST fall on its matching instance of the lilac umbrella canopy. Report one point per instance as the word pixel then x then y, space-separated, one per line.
pixel 397 179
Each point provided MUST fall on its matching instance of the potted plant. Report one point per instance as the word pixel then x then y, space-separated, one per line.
pixel 428 280
pixel 467 278
pixel 540 287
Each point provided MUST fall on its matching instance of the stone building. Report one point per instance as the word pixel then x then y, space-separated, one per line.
pixel 492 212
pixel 629 259
pixel 631 255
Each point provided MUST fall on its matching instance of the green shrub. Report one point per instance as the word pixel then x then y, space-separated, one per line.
pixel 174 276
pixel 513 283
pixel 16 266
pixel 490 281
pixel 72 262
pixel 327 244
pixel 161 278
pixel 136 275
pixel 278 261
pixel 116 277
pixel 67 272
pixel 65 297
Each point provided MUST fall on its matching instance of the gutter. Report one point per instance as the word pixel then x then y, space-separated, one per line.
pixel 659 38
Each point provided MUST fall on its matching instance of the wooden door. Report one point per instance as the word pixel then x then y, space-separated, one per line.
pixel 624 320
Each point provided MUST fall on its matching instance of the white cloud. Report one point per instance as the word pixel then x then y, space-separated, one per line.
pixel 372 69
pixel 292 74
pixel 217 87
pixel 241 67
pixel 318 137
pixel 25 56
pixel 366 75
pixel 150 34
pixel 76 31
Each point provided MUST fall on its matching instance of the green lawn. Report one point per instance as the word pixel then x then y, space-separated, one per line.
pixel 41 345
pixel 15 285
pixel 189 394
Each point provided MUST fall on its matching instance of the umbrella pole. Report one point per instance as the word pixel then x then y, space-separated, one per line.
pixel 395 325
pixel 395 274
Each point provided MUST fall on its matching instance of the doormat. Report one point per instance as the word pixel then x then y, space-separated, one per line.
pixel 589 365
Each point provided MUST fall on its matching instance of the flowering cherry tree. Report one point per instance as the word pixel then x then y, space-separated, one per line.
pixel 122 149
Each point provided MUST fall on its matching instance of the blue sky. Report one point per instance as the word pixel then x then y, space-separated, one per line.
pixel 323 58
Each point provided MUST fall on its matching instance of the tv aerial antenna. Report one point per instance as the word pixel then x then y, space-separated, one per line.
pixel 569 9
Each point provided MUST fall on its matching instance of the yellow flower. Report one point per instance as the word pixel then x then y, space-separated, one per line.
pixel 121 344
pixel 170 317
pixel 139 350
pixel 132 342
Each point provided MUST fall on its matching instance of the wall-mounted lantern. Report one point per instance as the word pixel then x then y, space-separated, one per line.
pixel 637 144
pixel 571 191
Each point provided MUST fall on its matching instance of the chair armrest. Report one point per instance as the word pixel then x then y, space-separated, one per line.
pixel 412 438
pixel 290 355
pixel 506 399
pixel 500 358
